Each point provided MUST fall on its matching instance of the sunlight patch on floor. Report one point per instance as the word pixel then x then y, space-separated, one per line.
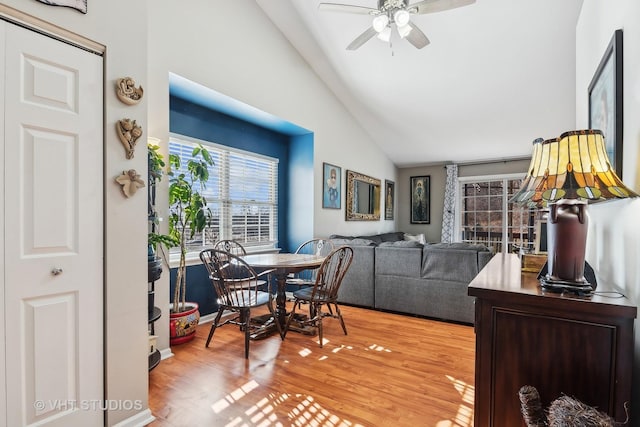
pixel 376 347
pixel 234 396
pixel 342 347
pixel 464 417
pixel 307 412
pixel 324 341
pixel 306 352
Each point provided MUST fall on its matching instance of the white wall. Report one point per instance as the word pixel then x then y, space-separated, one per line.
pixel 614 235
pixel 251 61
pixel 119 25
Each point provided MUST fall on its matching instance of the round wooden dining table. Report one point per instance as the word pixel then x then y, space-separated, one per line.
pixel 282 265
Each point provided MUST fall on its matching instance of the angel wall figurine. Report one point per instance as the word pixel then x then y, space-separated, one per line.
pixel 130 181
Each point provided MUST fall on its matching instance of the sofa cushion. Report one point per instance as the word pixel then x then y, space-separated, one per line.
pixel 398 259
pixel 358 283
pixel 403 244
pixel 460 246
pixel 339 236
pixel 457 265
pixel 352 242
pixel 393 236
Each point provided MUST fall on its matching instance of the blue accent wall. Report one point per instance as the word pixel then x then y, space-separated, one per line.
pixel 301 189
pixel 199 289
pixel 295 178
pixel 187 118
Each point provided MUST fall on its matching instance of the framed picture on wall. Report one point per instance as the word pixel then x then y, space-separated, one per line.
pixel 540 242
pixel 420 199
pixel 331 186
pixel 80 5
pixel 389 196
pixel 605 100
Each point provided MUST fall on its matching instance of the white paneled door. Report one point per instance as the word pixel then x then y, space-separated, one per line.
pixel 53 230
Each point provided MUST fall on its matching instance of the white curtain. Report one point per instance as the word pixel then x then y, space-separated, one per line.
pixel 449 214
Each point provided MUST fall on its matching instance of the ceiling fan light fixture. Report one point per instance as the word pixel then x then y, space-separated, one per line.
pixel 404 31
pixel 401 17
pixel 380 22
pixel 385 34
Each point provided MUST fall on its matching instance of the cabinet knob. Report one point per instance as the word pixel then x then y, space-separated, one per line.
pixel 56 271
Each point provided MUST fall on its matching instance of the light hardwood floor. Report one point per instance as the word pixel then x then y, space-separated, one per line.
pixel 390 370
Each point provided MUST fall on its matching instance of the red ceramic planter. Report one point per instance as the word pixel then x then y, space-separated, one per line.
pixel 182 326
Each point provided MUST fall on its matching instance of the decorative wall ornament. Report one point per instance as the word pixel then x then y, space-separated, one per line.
pixel 80 5
pixel 130 181
pixel 128 132
pixel 420 199
pixel 389 197
pixel 128 92
pixel 332 186
pixel 363 197
pixel 605 101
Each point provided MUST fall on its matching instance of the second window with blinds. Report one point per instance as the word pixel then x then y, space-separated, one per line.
pixel 242 194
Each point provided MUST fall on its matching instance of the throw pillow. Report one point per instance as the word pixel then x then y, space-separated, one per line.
pixel 420 238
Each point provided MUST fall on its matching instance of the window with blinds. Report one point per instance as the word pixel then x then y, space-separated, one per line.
pixel 242 194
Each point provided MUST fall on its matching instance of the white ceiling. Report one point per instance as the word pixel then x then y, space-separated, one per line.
pixel 497 75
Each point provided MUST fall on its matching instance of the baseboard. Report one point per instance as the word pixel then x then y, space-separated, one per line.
pixel 165 353
pixel 138 420
pixel 208 318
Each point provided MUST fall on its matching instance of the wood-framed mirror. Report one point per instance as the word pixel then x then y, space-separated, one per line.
pixel 363 197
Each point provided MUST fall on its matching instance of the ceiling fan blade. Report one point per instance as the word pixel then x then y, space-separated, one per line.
pixel 432 6
pixel 347 8
pixel 362 38
pixel 416 37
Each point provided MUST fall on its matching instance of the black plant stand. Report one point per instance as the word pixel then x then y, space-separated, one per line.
pixel 154 314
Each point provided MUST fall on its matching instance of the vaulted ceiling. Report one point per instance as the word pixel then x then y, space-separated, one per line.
pixel 496 75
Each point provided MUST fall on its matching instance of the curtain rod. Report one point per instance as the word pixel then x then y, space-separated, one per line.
pixel 488 162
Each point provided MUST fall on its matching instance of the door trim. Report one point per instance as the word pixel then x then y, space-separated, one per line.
pixel 48 29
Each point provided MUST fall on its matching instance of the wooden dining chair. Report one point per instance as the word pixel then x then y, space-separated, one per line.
pixel 324 291
pixel 231 246
pixel 234 247
pixel 307 277
pixel 239 290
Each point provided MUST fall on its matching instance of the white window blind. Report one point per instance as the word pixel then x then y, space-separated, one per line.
pixel 242 194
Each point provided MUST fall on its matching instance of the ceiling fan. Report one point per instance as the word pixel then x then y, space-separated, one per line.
pixel 397 13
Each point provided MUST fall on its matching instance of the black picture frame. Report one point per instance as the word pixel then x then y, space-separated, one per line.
pixel 420 199
pixel 80 5
pixel 389 197
pixel 605 100
pixel 331 186
pixel 540 242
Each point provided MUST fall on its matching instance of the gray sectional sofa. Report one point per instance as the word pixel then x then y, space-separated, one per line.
pixel 390 273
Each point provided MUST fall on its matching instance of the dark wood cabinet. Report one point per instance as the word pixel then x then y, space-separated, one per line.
pixel 580 346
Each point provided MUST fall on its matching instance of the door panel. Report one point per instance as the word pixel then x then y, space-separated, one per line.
pixel 3 379
pixel 49 85
pixel 50 193
pixel 53 231
pixel 50 325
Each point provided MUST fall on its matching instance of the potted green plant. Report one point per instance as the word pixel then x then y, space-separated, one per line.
pixel 189 215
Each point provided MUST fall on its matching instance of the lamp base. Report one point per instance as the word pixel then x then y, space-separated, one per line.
pixel 581 288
